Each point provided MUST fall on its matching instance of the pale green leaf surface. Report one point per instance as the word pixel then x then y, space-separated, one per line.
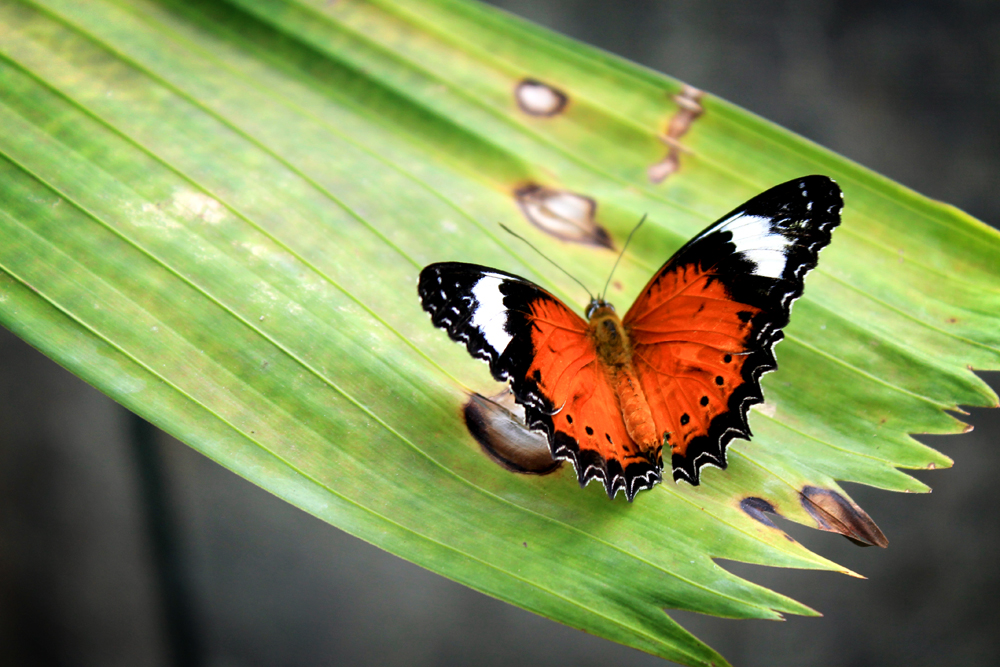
pixel 216 212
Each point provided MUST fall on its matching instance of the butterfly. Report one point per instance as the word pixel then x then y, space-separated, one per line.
pixel 679 370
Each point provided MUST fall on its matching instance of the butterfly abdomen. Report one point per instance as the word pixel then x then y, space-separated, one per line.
pixel 615 352
pixel 635 410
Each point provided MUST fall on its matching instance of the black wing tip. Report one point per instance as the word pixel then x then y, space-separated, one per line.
pixel 447 293
pixel 815 197
pixel 821 181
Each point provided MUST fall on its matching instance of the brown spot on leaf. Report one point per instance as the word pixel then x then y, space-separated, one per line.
pixel 952 320
pixel 835 513
pixel 565 215
pixel 755 509
pixel 688 109
pixel 539 99
pixel 497 424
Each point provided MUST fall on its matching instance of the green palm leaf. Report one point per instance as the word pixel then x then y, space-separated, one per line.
pixel 215 212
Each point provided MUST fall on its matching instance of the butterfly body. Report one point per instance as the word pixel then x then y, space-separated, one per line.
pixel 680 369
pixel 613 348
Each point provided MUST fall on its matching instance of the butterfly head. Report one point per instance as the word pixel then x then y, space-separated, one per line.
pixel 598 307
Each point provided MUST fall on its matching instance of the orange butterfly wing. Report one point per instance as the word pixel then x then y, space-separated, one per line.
pixel 545 350
pixel 704 327
pixel 689 352
pixel 585 423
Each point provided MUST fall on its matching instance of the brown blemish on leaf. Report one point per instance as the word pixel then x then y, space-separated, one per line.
pixel 688 109
pixel 952 320
pixel 539 99
pixel 497 424
pixel 755 509
pixel 563 214
pixel 835 513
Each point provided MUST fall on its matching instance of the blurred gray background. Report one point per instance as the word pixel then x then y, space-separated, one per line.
pixel 121 546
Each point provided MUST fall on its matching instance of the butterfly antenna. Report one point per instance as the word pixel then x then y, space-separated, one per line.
pixel 518 236
pixel 627 241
